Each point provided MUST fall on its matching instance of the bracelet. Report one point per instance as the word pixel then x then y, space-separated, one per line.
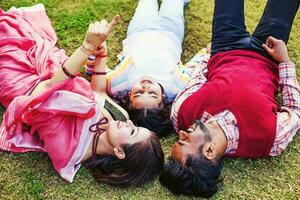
pixel 86 50
pixel 67 72
pixel 102 56
pixel 99 73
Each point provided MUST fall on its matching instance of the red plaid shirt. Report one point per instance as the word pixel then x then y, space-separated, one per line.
pixel 288 116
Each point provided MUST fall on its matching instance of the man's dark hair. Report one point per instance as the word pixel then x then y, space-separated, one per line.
pixel 198 177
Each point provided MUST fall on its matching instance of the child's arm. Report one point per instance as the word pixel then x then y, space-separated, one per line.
pixel 98 80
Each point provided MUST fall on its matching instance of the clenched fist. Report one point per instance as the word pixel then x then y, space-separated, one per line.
pixel 97 34
pixel 277 49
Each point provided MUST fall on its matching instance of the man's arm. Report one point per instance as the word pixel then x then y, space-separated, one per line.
pixel 288 117
pixel 183 73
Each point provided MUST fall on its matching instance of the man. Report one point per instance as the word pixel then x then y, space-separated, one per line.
pixel 229 108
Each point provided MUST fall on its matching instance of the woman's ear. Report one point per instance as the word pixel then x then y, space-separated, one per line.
pixel 119 152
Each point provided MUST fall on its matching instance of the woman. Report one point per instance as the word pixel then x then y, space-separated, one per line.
pixel 50 109
pixel 148 77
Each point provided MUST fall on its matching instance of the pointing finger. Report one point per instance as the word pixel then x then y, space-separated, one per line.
pixel 113 23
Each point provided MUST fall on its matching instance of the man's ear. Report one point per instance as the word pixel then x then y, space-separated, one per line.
pixel 119 152
pixel 182 134
pixel 209 151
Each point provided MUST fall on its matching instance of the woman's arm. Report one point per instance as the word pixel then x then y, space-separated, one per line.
pixel 96 34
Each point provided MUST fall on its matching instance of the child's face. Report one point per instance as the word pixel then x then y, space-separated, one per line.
pixel 146 93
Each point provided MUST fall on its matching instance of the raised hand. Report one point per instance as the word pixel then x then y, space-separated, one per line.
pixel 277 49
pixel 98 54
pixel 97 34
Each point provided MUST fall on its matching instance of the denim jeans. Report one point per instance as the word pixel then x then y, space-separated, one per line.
pixel 229 30
pixel 148 17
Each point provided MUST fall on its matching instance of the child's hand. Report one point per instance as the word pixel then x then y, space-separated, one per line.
pixel 99 54
pixel 101 51
pixel 277 49
pixel 97 34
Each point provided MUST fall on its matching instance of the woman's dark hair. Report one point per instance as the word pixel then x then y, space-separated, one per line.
pixel 143 161
pixel 197 177
pixel 155 119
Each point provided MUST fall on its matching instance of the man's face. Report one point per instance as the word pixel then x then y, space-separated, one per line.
pixel 189 142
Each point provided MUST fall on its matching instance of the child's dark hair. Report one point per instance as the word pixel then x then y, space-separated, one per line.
pixel 156 120
pixel 143 161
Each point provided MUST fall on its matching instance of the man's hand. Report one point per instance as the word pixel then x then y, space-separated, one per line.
pixel 277 49
pixel 97 33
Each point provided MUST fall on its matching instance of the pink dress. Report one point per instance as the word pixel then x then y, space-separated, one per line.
pixel 57 120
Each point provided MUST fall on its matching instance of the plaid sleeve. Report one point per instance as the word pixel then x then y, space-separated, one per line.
pixel 288 117
pixel 198 78
pixel 183 73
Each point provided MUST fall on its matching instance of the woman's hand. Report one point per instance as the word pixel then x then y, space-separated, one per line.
pixel 97 34
pixel 277 49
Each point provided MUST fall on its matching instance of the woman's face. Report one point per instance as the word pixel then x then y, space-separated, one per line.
pixel 146 93
pixel 120 133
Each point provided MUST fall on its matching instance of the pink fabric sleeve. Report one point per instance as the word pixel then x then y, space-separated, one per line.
pixel 24 108
pixel 28 54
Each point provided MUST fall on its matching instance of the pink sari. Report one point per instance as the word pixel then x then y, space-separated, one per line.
pixel 56 121
pixel 28 54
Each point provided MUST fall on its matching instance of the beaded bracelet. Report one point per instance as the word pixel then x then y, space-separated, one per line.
pixel 89 69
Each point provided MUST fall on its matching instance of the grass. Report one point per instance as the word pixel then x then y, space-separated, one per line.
pixel 31 175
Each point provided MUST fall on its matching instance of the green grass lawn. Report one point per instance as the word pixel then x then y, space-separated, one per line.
pixel 31 175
